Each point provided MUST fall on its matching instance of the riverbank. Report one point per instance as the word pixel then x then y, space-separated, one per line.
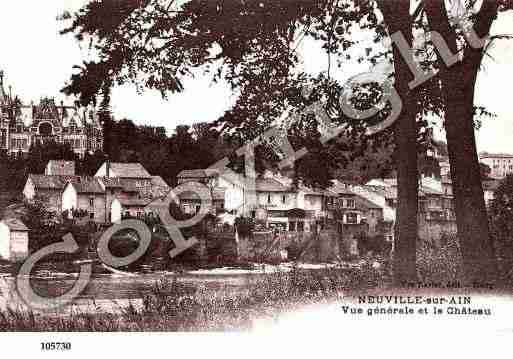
pixel 174 305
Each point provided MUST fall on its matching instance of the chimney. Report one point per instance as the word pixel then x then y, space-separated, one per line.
pixel 107 168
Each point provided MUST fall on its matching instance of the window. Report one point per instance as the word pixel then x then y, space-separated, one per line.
pixel 350 203
pixel 91 215
pixel 292 226
pixel 91 201
pixel 283 199
pixel 351 218
pixel 268 198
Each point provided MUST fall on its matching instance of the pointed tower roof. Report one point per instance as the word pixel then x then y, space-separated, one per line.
pixel 4 99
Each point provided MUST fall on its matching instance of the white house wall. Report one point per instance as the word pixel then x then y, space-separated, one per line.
pixel 19 245
pixel 5 242
pixel 388 212
pixel 29 190
pixel 234 194
pixel 116 211
pixel 102 171
pixel 276 202
pixel 69 198
pixel 313 203
pixel 98 207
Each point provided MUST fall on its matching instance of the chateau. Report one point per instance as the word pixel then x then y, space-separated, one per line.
pixel 24 125
pixel 501 164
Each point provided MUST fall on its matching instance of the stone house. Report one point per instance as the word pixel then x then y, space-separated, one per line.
pixel 60 168
pixel 14 240
pixel 231 184
pixel 132 170
pixel 436 206
pixel 489 188
pixel 344 205
pixel 190 201
pixel 372 215
pixel 87 195
pixel 385 198
pixel 128 183
pixel 48 188
pixel 129 196
pixel 128 189
pixel 128 207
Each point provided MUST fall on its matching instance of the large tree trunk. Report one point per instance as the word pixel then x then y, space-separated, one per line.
pixel 458 84
pixel 397 17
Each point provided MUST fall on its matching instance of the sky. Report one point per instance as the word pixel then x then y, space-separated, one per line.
pixel 37 62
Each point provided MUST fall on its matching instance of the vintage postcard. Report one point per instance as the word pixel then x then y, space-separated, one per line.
pixel 320 171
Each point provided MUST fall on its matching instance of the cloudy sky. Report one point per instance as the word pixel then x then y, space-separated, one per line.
pixel 37 62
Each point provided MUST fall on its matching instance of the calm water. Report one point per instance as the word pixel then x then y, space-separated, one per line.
pixel 109 292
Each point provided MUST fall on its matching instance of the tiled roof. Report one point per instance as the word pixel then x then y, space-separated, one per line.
pixel 197 173
pixel 87 185
pixel 82 184
pixel 112 182
pixel 270 185
pixel 311 191
pixel 15 224
pixel 158 181
pixel 51 182
pixel 129 170
pixel 495 155
pixel 361 201
pixel 391 181
pixel 217 195
pixel 423 190
pixel 135 202
pixel 340 188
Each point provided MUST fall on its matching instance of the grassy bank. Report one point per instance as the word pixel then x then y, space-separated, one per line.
pixel 173 306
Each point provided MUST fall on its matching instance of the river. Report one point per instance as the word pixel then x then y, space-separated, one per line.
pixel 111 292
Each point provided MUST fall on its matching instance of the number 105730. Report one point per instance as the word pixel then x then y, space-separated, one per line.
pixel 51 346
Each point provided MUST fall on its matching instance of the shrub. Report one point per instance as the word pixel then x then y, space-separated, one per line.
pixel 245 226
pixel 440 263
pixel 378 245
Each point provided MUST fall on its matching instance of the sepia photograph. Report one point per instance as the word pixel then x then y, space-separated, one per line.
pixel 255 166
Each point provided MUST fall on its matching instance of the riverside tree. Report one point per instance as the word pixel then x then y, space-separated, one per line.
pixel 457 82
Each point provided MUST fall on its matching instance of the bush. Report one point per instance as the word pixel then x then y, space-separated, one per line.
pixel 378 245
pixel 440 263
pixel 245 226
pixel 501 225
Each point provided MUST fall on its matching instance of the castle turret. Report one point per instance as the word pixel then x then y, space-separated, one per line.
pixel 4 100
